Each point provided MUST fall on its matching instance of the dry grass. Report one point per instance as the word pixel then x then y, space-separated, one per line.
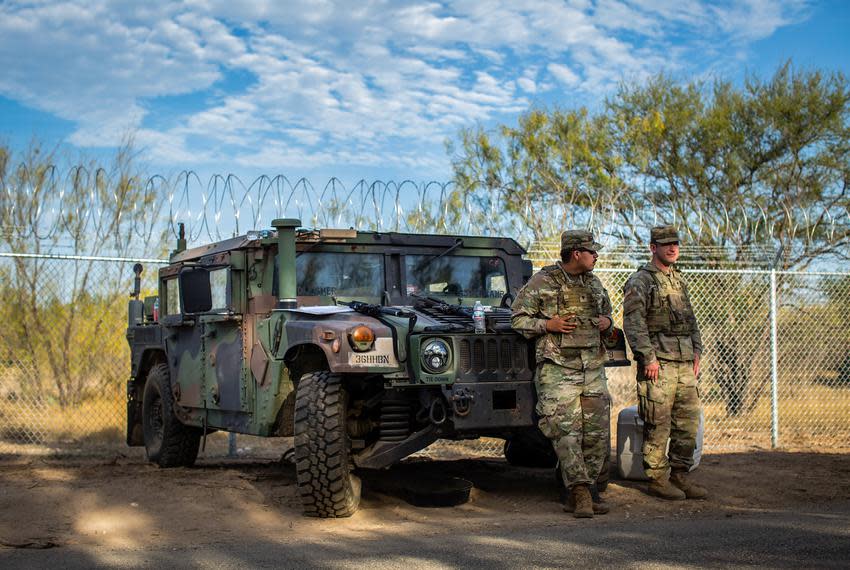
pixel 814 418
pixel 34 421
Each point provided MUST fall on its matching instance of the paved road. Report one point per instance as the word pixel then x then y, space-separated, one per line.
pixel 814 539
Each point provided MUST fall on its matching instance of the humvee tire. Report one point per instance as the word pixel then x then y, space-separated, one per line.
pixel 327 487
pixel 168 443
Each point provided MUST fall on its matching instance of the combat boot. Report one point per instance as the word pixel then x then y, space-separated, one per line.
pixel 679 478
pixel 664 489
pixel 599 508
pixel 583 502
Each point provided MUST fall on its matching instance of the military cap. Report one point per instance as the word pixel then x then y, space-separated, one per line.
pixel 663 235
pixel 579 239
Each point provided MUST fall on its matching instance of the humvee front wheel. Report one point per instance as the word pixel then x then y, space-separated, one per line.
pixel 168 443
pixel 327 487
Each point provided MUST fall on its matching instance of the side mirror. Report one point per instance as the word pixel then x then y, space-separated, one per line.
pixel 195 291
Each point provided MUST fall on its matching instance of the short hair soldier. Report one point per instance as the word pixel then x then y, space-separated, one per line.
pixel 662 330
pixel 566 310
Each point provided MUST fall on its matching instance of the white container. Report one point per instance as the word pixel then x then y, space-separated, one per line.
pixel 630 443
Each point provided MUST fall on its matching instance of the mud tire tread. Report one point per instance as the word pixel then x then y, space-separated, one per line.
pixel 179 444
pixel 326 485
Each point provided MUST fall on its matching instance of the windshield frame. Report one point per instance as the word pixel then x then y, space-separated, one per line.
pixel 463 299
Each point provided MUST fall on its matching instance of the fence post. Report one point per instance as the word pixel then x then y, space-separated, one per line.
pixel 774 372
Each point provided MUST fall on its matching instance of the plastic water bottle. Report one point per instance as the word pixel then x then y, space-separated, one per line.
pixel 156 310
pixel 478 318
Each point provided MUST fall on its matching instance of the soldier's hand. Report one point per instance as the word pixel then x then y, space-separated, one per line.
pixel 696 365
pixel 604 323
pixel 561 324
pixel 651 371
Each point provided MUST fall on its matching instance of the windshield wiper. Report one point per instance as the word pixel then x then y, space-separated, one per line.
pixel 422 265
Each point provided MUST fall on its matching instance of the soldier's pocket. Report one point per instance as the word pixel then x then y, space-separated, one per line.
pixel 546 405
pixel 651 400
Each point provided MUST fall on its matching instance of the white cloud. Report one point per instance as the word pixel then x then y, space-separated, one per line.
pixel 528 82
pixel 319 82
pixel 563 74
pixel 86 65
pixel 762 17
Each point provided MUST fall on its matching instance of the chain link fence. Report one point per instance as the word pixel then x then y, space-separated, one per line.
pixel 776 363
pixel 64 358
pixel 776 367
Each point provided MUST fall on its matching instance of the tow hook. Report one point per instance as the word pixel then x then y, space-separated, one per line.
pixel 462 401
pixel 437 412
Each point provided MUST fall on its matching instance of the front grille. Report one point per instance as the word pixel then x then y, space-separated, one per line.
pixel 464 356
pixel 505 353
pixel 493 358
pixel 477 355
pixel 492 354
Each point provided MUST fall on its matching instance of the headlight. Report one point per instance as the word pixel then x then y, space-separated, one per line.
pixel 435 355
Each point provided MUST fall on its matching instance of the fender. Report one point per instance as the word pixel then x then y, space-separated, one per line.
pixel 331 336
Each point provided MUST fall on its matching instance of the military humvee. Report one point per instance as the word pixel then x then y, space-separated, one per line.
pixel 360 344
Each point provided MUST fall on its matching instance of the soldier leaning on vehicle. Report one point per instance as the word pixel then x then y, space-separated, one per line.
pixel 661 328
pixel 565 308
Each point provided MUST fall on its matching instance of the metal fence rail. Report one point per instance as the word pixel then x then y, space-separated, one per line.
pixel 776 367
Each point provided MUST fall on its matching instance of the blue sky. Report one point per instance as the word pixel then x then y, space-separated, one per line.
pixel 360 89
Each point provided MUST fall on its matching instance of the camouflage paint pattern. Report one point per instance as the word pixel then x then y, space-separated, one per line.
pixel 573 403
pixel 303 328
pixel 187 370
pixel 669 408
pixel 231 370
pixel 573 410
pixel 224 389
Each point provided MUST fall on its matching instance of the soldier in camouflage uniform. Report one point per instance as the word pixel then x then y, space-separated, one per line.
pixel 661 328
pixel 565 308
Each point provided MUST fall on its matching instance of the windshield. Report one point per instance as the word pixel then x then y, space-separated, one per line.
pixel 454 277
pixel 345 276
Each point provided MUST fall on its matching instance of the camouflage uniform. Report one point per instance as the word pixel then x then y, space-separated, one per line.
pixel 572 393
pixel 660 325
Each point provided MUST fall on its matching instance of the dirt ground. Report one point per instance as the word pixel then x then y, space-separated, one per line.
pixel 123 502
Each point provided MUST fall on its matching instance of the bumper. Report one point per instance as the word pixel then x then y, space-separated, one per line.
pixel 491 405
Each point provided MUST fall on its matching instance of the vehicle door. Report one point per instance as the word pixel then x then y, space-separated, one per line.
pixel 182 334
pixel 208 297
